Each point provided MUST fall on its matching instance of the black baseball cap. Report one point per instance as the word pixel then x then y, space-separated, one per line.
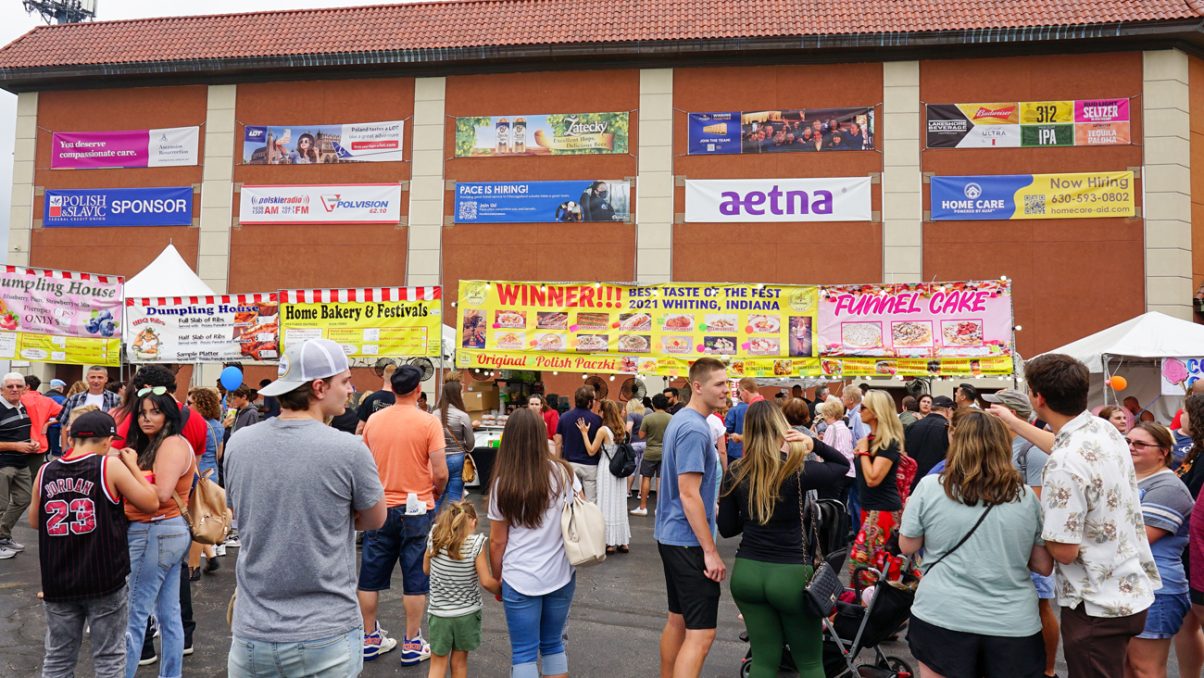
pixel 406 379
pixel 94 424
pixel 943 402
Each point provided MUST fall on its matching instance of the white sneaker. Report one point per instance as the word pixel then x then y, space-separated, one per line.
pixel 8 543
pixel 220 549
pixel 639 512
pixel 5 554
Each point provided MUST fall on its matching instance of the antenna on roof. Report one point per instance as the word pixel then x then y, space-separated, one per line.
pixel 62 11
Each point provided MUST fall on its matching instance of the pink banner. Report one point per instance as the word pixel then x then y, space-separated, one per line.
pixel 1101 110
pixel 173 147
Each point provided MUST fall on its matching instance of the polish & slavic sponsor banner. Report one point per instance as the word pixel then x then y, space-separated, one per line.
pixel 167 206
pixel 210 329
pixel 320 204
pixel 542 202
pixel 323 144
pixel 168 147
pixel 494 136
pixel 1028 124
pixel 795 130
pixel 744 200
pixel 369 323
pixel 1085 195
pixel 60 316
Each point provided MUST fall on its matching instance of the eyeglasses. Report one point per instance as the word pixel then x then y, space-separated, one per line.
pixel 1139 444
pixel 157 390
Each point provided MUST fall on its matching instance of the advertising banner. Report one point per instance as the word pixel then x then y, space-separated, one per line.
pixel 314 144
pixel 369 323
pixel 320 204
pixel 542 202
pixel 795 130
pixel 169 206
pixel 1025 124
pixel 742 200
pixel 1178 375
pixel 553 134
pixel 170 147
pixel 1087 195
pixel 60 316
pixel 235 327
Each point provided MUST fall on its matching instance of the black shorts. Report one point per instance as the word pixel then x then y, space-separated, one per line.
pixel 955 654
pixel 1197 597
pixel 650 468
pixel 691 594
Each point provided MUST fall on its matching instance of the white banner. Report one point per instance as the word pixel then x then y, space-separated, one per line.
pixel 173 147
pixel 235 327
pixel 745 200
pixel 321 204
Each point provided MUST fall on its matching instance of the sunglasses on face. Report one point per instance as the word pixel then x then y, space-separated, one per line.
pixel 157 390
pixel 1139 444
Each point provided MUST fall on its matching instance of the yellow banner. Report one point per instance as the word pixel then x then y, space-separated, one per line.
pixel 367 330
pixel 64 350
pixel 1077 196
pixel 1046 112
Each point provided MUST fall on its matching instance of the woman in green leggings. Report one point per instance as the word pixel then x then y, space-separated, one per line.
pixel 760 498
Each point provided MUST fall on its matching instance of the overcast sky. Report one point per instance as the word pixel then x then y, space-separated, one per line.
pixel 14 22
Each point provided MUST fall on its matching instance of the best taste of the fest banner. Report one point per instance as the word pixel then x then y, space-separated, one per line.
pixel 782 131
pixel 369 323
pixel 60 316
pixel 1017 124
pixel 170 147
pixel 237 327
pixel 1086 195
pixel 554 134
pixel 323 144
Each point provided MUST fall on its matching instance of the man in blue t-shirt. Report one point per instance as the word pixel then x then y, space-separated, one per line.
pixel 571 446
pixel 734 421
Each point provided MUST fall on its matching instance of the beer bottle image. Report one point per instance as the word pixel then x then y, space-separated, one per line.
pixel 503 135
pixel 519 133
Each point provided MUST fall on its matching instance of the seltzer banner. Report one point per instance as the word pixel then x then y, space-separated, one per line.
pixel 1087 195
pixel 320 204
pixel 170 147
pixel 170 206
pixel 743 200
pixel 369 323
pixel 236 327
pixel 60 316
pixel 552 134
pixel 794 130
pixel 1085 122
pixel 542 202
pixel 323 144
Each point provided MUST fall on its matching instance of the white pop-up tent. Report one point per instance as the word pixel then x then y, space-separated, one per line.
pixel 167 276
pixel 1134 350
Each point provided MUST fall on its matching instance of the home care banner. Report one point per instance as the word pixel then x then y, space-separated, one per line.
pixel 1085 122
pixel 60 316
pixel 742 200
pixel 320 204
pixel 170 147
pixel 169 206
pixel 796 130
pixel 542 202
pixel 552 134
pixel 369 323
pixel 313 144
pixel 213 329
pixel 1087 195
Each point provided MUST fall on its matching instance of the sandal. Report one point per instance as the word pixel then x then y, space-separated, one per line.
pixel 610 550
pixel 624 549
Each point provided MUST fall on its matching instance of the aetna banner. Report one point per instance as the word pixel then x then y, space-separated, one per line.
pixel 743 200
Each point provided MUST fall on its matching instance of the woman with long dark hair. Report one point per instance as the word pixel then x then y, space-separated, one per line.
pixel 458 438
pixel 612 490
pixel 1189 648
pixel 526 548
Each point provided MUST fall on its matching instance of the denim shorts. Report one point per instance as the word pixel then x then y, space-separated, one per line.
pixel 1165 616
pixel 401 538
pixel 1045 586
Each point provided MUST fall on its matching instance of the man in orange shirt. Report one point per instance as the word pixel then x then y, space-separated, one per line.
pixel 407 444
pixel 42 411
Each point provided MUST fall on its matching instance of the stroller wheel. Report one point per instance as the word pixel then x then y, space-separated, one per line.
pixel 745 668
pixel 901 668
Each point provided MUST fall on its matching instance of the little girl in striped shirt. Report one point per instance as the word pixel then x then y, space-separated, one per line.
pixel 458 565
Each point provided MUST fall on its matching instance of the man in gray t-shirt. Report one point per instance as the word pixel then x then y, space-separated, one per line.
pixel 300 490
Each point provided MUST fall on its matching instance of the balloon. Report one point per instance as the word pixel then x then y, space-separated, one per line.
pixel 231 378
pixel 1118 383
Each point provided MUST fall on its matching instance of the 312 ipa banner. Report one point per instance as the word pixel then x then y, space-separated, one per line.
pixel 795 130
pixel 540 134
pixel 1087 195
pixel 168 147
pixel 234 327
pixel 323 144
pixel 1085 122
pixel 369 323
pixel 60 316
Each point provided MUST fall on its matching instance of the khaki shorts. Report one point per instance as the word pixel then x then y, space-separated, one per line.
pixel 461 633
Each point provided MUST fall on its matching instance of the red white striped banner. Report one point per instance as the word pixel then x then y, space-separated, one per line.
pixel 65 275
pixel 361 294
pixel 256 298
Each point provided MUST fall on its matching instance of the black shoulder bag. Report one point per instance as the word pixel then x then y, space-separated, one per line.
pixel 819 595
pixel 963 541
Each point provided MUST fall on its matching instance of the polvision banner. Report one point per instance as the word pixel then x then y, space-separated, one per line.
pixel 542 202
pixel 320 204
pixel 1087 122
pixel 553 134
pixel 783 131
pixel 169 206
pixel 235 327
pixel 169 147
pixel 743 200
pixel 1088 195
pixel 369 323
pixel 60 316
pixel 314 144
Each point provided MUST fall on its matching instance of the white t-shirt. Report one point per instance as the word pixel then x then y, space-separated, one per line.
pixel 535 563
pixel 717 428
pixel 97 400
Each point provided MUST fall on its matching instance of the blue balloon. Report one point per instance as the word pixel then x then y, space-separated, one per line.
pixel 231 378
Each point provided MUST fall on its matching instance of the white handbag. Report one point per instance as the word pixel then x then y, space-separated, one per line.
pixel 584 530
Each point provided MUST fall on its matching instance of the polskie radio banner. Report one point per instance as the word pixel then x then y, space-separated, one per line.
pixel 320 204
pixel 168 147
pixel 1086 195
pixel 542 202
pixel 210 329
pixel 323 144
pixel 168 206
pixel 797 130
pixel 1084 122
pixel 744 200
pixel 60 316
pixel 551 134
pixel 369 323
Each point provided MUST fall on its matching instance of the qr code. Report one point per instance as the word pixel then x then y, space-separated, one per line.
pixel 468 210
pixel 1034 204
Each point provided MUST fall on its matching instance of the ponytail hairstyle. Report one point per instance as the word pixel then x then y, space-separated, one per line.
pixel 452 527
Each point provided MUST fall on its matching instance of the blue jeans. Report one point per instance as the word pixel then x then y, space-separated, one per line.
pixel 455 481
pixel 401 538
pixel 156 551
pixel 549 613
pixel 338 657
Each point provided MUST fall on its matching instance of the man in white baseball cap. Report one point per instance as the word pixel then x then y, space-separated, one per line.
pixel 293 470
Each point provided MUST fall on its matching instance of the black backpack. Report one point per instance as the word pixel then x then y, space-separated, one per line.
pixel 622 463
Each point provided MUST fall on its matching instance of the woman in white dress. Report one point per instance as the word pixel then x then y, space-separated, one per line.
pixel 612 491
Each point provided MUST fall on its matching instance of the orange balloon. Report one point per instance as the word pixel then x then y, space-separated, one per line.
pixel 1118 383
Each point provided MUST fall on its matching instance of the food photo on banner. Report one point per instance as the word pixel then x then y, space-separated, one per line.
pixel 551 134
pixel 542 202
pixel 320 204
pixel 745 200
pixel 236 327
pixel 168 147
pixel 781 131
pixel 167 206
pixel 323 144
pixel 1029 124
pixel 1086 195
pixel 369 323
pixel 60 316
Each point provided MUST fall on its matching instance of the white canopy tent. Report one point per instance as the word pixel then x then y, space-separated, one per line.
pixel 167 276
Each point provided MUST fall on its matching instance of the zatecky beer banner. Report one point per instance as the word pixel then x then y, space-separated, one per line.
pixel 552 134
